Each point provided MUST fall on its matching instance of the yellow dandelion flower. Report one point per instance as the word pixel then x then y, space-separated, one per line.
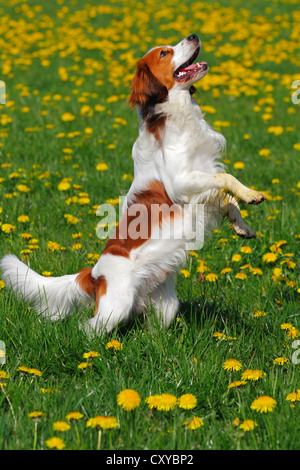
pixel 167 402
pixel 121 121
pixel 128 399
pixel 2 284
pixel 7 228
pixel 114 344
pixel 48 390
pixel 239 165
pixel 194 423
pixel 22 188
pixel 71 219
pixel 259 313
pixel 67 117
pixel 202 266
pixel 281 361
pixel 74 416
pixel 248 425
pixel 63 185
pixel 256 271
pixel 35 414
pixel 187 401
pixel 163 402
pixel 208 109
pixel 236 258
pixel 127 177
pixel 237 383
pixel 270 257
pixel 93 257
pixel 47 273
pixel 226 270
pixel 112 99
pixel 26 236
pixel 90 354
pixel 100 108
pixel 55 443
pixel 63 74
pixel 185 272
pixel 86 110
pixel 235 422
pixel 35 372
pixel 263 404
pixel 29 370
pixel 53 246
pixel 76 246
pixel 3 375
pixel 84 365
pixel 219 336
pixel 250 374
pixel 102 167
pixel 222 241
pixel 211 277
pixel 264 152
pixel 23 369
pixel 23 218
pixel 232 365
pixel 241 276
pixel 84 200
pixel 292 397
pixel 61 426
pixel 276 130
pixel 246 249
pixel 293 332
pixel 102 422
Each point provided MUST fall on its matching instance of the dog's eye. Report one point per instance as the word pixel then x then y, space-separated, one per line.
pixel 163 53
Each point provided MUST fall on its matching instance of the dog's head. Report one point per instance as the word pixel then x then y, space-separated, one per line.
pixel 162 69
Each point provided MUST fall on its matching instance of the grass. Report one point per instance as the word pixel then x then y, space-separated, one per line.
pixel 248 91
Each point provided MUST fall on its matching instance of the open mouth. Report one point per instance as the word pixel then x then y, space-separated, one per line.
pixel 188 71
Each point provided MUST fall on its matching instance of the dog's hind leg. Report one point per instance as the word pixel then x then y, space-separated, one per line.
pixel 114 295
pixel 165 302
pixel 114 308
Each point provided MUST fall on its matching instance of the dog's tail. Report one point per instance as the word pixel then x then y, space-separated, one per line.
pixel 52 297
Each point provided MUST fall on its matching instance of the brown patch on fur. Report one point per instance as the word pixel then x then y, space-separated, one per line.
pixel 86 281
pixel 143 220
pixel 101 286
pixel 152 80
pixel 95 288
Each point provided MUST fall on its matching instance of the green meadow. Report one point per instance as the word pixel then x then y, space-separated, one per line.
pixel 227 372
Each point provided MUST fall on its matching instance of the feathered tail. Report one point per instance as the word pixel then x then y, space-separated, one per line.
pixel 52 297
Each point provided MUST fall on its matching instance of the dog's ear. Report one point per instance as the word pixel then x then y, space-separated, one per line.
pixel 146 90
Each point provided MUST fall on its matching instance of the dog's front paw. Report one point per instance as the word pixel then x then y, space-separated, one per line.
pixel 243 230
pixel 254 197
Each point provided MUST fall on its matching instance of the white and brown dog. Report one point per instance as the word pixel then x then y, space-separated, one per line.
pixel 176 165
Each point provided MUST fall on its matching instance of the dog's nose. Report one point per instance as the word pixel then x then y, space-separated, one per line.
pixel 193 37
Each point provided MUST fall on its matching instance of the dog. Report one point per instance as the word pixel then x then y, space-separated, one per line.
pixel 177 167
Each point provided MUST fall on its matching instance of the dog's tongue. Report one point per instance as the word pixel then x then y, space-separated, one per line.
pixel 194 66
